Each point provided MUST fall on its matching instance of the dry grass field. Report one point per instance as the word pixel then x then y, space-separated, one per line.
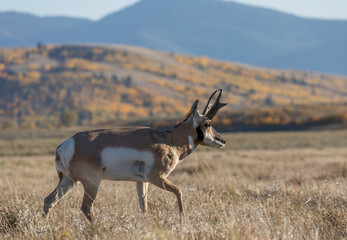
pixel 262 186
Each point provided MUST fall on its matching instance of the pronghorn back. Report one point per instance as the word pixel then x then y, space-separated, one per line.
pixel 122 150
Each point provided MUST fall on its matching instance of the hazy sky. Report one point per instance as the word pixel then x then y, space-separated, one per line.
pixel 329 9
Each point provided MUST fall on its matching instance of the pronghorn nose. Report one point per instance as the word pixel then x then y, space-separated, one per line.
pixel 220 139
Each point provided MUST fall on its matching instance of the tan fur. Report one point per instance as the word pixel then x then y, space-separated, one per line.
pixel 168 148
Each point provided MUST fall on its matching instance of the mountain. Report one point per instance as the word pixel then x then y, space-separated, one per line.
pixel 21 29
pixel 219 29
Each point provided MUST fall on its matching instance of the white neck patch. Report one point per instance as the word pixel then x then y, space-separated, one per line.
pixel 191 142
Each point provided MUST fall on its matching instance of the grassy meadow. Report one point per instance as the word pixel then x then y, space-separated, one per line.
pixel 280 185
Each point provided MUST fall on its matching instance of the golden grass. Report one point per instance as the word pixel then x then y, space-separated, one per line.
pixel 291 193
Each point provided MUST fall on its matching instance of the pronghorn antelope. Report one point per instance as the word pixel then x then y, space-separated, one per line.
pixel 138 154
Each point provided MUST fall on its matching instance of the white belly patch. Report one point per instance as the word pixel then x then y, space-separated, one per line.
pixel 126 164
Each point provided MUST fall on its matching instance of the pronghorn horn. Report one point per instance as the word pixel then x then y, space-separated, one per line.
pixel 208 105
pixel 211 110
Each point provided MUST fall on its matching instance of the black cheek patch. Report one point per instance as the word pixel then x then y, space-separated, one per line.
pixel 200 133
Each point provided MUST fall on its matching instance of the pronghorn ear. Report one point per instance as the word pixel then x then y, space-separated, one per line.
pixel 195 108
pixel 194 111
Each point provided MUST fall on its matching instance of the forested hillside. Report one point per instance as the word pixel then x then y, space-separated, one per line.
pixel 50 86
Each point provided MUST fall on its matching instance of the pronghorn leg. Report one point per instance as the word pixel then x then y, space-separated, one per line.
pixel 167 185
pixel 142 192
pixel 64 185
pixel 90 191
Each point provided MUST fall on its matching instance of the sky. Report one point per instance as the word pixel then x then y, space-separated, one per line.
pixel 91 9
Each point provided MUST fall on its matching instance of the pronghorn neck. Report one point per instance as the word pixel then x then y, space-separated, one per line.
pixel 183 138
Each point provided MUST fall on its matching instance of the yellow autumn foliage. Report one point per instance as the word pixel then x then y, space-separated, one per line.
pixel 82 64
pixel 116 83
pixel 33 66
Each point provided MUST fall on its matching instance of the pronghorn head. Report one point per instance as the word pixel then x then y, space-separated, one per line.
pixel 207 135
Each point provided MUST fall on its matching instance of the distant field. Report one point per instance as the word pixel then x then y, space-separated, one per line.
pixel 31 142
pixel 44 142
pixel 286 185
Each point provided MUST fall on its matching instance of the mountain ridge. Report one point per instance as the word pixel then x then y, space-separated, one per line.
pixel 222 30
pixel 25 29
